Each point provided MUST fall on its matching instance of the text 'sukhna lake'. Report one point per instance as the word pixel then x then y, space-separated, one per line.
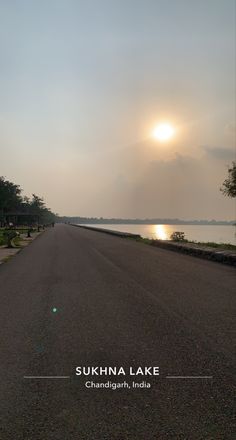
pixel 202 233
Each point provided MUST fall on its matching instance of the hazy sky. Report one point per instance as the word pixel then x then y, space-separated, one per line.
pixel 83 84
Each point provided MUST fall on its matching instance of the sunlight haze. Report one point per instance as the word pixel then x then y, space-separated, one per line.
pixel 86 88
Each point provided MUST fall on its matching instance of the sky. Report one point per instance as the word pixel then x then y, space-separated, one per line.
pixel 83 84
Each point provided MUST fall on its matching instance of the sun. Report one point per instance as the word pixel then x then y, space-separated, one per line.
pixel 163 132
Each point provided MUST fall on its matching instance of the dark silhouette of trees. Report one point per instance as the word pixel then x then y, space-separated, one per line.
pixel 229 185
pixel 10 196
pixel 12 201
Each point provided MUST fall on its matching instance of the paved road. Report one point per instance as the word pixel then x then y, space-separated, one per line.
pixel 119 303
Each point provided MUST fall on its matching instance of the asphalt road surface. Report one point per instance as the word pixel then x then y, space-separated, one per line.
pixel 76 297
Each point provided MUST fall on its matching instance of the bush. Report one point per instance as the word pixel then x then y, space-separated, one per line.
pixel 2 240
pixel 178 236
pixel 8 237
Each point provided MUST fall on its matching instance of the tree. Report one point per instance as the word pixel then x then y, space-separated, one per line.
pixel 229 185
pixel 10 196
pixel 11 201
pixel 37 207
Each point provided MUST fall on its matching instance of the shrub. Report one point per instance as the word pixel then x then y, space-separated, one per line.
pixel 8 236
pixel 178 236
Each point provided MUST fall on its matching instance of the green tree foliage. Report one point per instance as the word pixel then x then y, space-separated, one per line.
pixel 10 196
pixel 37 206
pixel 229 185
pixel 12 201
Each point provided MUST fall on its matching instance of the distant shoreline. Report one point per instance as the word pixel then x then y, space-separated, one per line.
pixel 117 221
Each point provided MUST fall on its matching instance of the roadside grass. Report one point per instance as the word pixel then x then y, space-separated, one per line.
pixel 16 240
pixel 223 246
pixel 140 239
pixel 21 230
pixel 145 240
pixel 6 259
pixel 220 246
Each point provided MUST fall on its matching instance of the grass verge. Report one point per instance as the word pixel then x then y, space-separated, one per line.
pixel 220 246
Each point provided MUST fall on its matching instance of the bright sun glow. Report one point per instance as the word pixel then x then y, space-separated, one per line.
pixel 161 232
pixel 163 132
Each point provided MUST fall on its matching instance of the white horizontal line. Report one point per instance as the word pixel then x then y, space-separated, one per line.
pixel 46 377
pixel 189 377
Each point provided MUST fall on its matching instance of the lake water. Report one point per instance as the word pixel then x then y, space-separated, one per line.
pixel 203 233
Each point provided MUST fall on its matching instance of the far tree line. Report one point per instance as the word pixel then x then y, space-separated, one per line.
pixel 27 210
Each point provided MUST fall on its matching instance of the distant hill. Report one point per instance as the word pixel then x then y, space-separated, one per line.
pixel 137 221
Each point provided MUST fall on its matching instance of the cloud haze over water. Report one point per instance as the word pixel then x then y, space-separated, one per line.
pixel 83 84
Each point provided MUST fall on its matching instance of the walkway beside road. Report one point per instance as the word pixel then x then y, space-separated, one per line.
pixel 76 297
pixel 6 253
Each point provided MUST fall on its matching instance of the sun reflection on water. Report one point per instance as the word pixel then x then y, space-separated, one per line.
pixel 160 232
